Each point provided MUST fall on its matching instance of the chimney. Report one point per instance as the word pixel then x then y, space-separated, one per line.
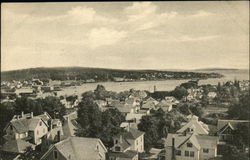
pixel 59 136
pixel 120 138
pixel 22 114
pixel 128 127
pixel 154 88
pixel 31 114
pixel 173 148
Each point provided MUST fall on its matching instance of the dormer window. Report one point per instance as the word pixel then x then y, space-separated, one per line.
pixel 116 141
pixel 189 145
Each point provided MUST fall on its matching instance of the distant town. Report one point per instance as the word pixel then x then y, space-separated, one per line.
pixel 192 121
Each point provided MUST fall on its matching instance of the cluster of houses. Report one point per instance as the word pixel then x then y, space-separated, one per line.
pixel 57 138
pixel 138 104
pixel 58 141
pixel 194 141
pixel 34 88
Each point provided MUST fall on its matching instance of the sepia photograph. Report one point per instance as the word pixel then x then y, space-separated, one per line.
pixel 125 80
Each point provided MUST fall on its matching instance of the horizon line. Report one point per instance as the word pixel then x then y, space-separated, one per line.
pixel 190 69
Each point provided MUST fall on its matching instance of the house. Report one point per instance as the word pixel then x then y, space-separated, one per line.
pixel 70 124
pixel 154 154
pixel 138 94
pixel 24 92
pixel 148 105
pixel 118 79
pixel 164 105
pixel 69 104
pixel 172 100
pixel 125 109
pixel 226 127
pixel 194 126
pixel 127 145
pixel 211 95
pixel 90 81
pixel 191 146
pixel 127 155
pixel 133 139
pixel 77 148
pixel 129 124
pixel 132 101
pixel 150 99
pixel 26 130
pixel 135 117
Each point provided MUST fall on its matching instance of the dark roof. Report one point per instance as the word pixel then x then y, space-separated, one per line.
pixel 132 134
pixel 128 154
pixel 20 125
pixel 233 123
pixel 16 146
pixel 199 141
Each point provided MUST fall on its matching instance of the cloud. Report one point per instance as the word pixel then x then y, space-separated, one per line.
pixel 85 15
pixel 200 13
pixel 144 15
pixel 203 38
pixel 104 36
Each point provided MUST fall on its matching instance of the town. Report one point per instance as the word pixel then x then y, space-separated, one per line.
pixel 200 122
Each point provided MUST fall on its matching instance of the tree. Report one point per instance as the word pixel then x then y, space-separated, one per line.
pixel 179 92
pixel 197 110
pixel 148 124
pixel 6 114
pixel 241 136
pixel 240 109
pixel 53 106
pixel 184 109
pixel 97 124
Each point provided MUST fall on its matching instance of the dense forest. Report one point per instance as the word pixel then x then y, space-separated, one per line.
pixel 99 74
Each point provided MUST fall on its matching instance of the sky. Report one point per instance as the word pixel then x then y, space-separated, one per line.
pixel 125 35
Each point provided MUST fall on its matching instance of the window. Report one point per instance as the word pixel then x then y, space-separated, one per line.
pixel 37 132
pixel 117 148
pixel 44 130
pixel 191 154
pixel 136 142
pixel 189 145
pixel 178 152
pixel 40 123
pixel 11 128
pixel 116 141
pixel 205 150
pixel 55 154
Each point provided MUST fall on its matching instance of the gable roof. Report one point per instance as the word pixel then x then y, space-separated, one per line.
pixel 124 108
pixel 78 148
pixel 197 126
pixel 148 105
pixel 222 124
pixel 16 146
pixel 163 103
pixel 124 143
pixel 199 141
pixel 131 134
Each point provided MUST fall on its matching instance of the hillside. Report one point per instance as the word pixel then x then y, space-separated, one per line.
pixel 100 74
